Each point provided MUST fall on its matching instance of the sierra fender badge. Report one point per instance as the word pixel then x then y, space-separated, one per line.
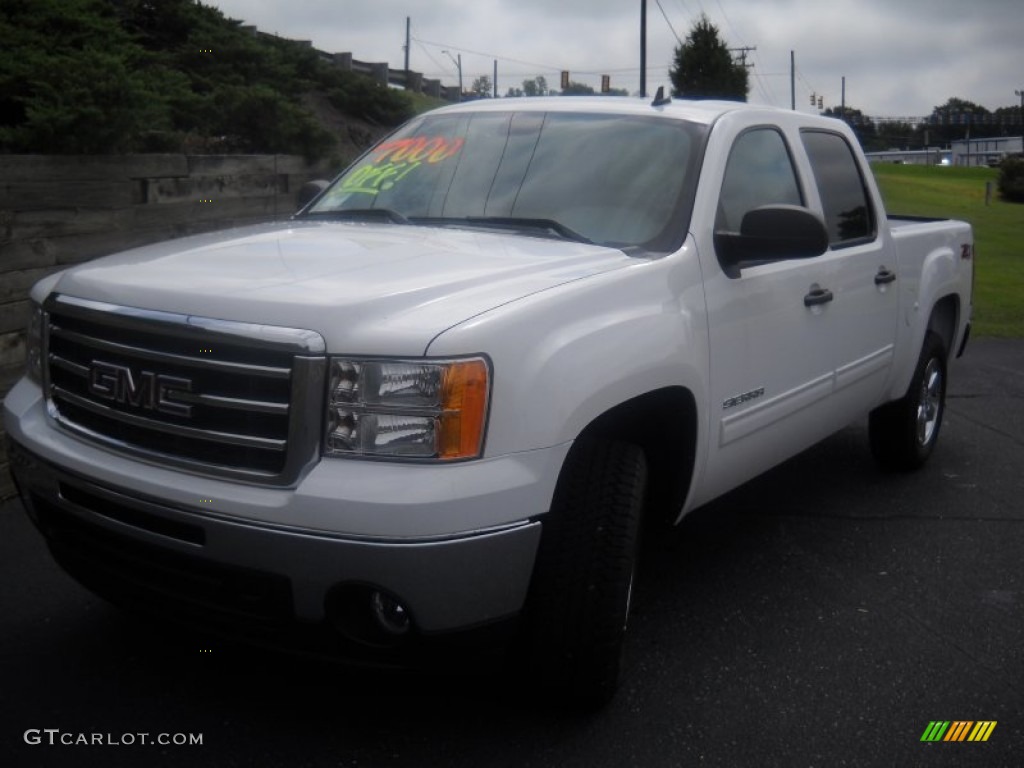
pixel 746 397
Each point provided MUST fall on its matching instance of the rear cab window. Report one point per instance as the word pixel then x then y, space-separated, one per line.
pixel 849 215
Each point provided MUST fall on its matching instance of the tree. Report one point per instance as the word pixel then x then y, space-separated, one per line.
pixel 704 68
pixel 896 134
pixel 1008 120
pixel 862 125
pixel 101 76
pixel 482 88
pixel 72 80
pixel 957 118
pixel 536 87
pixel 577 89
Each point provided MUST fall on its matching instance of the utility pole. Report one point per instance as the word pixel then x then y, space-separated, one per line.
pixel 792 80
pixel 407 37
pixel 843 107
pixel 743 55
pixel 459 65
pixel 495 81
pixel 1021 94
pixel 643 48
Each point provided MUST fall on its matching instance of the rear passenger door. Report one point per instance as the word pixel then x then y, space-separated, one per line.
pixel 861 319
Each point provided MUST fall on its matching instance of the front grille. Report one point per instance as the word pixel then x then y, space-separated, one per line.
pixel 216 397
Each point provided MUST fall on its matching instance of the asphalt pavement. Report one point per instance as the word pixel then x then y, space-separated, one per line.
pixel 822 615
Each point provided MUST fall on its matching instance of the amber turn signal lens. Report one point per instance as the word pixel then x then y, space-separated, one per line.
pixel 463 410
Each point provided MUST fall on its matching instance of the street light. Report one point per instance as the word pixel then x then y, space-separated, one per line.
pixel 459 65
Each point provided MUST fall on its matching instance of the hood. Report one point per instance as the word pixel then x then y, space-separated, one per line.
pixel 374 289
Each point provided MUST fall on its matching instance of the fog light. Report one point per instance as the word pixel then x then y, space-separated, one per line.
pixel 389 613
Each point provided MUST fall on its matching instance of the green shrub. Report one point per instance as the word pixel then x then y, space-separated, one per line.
pixel 364 97
pixel 107 76
pixel 1011 179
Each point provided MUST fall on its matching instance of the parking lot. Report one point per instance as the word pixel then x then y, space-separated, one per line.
pixel 822 615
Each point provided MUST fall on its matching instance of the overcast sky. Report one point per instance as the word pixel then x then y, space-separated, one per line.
pixel 899 57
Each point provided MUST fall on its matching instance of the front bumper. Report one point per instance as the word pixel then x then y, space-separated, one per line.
pixel 111 521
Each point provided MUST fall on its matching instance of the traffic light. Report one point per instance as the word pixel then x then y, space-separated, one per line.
pixel 814 99
pixel 606 83
pixel 565 79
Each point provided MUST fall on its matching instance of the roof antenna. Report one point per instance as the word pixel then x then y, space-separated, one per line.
pixel 659 98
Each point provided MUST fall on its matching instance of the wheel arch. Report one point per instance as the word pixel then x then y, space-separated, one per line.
pixel 943 321
pixel 663 423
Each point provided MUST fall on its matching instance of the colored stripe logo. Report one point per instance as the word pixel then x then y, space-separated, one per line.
pixel 958 730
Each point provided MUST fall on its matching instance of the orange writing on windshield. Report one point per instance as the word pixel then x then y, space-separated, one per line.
pixel 393 160
pixel 418 149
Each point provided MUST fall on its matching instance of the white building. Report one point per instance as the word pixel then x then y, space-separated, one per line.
pixel 981 152
pixel 930 156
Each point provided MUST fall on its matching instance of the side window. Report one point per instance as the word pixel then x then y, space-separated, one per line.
pixel 759 172
pixel 849 215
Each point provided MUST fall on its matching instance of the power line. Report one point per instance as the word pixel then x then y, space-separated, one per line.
pixel 665 15
pixel 430 56
pixel 803 80
pixel 682 7
pixel 546 67
pixel 727 21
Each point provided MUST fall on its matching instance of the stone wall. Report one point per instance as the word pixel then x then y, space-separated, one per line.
pixel 61 210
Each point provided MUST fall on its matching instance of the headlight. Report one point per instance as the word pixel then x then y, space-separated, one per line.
pixel 34 345
pixel 411 409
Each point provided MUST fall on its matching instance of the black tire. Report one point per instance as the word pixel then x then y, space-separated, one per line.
pixel 903 433
pixel 582 585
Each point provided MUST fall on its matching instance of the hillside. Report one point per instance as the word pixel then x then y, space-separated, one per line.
pixel 121 76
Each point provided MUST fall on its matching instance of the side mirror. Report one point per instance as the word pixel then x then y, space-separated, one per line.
pixel 309 191
pixel 772 233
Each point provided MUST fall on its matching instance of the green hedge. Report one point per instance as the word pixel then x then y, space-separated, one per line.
pixel 1011 179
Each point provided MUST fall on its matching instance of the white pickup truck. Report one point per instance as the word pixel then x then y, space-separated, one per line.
pixel 444 396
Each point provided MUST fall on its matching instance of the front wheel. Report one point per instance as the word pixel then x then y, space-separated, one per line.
pixel 903 433
pixel 582 586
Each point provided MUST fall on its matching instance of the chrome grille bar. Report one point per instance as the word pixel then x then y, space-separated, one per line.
pixel 164 357
pixel 223 438
pixel 131 380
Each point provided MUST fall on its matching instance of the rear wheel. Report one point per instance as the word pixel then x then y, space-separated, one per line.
pixel 903 433
pixel 582 586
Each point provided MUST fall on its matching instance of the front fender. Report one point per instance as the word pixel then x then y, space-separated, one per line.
pixel 565 356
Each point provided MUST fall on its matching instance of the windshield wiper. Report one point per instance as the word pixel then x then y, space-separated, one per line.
pixel 519 224
pixel 359 214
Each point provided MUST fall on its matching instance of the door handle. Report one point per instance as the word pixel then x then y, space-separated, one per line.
pixel 818 296
pixel 885 276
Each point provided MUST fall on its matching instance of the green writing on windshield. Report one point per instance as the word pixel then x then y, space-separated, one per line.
pixel 393 160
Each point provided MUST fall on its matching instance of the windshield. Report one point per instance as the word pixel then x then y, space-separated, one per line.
pixel 617 180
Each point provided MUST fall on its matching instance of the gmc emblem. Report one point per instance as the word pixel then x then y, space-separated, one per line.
pixel 145 389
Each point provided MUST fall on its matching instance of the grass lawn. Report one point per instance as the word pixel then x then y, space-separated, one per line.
pixel 959 193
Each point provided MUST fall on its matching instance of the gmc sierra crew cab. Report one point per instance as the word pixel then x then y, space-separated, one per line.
pixel 444 396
